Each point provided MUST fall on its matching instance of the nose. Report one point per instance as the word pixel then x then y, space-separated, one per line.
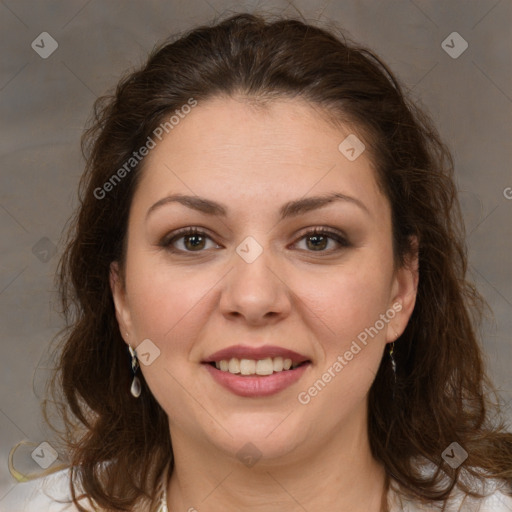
pixel 256 292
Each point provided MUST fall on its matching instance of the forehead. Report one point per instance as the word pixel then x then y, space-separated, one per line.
pixel 228 148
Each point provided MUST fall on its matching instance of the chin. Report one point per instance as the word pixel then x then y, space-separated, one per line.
pixel 264 436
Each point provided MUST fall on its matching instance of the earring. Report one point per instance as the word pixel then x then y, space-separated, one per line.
pixel 392 357
pixel 393 365
pixel 135 388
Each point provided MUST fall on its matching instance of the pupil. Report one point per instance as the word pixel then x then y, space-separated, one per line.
pixel 318 238
pixel 195 245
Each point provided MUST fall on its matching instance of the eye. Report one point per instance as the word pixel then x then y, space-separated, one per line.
pixel 187 240
pixel 317 240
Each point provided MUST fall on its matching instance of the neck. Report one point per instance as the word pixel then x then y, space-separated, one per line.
pixel 337 474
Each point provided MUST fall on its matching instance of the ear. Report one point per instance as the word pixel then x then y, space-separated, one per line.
pixel 118 290
pixel 404 291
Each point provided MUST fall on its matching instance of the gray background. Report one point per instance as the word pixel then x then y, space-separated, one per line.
pixel 45 102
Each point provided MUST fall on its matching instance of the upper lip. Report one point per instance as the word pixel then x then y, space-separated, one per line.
pixel 246 352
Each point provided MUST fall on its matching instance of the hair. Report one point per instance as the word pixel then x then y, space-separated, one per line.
pixel 118 446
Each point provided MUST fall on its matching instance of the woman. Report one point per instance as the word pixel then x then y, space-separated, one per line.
pixel 266 291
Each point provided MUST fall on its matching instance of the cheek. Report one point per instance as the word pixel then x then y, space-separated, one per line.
pixel 164 299
pixel 347 301
pixel 349 304
pixel 170 306
pixel 173 306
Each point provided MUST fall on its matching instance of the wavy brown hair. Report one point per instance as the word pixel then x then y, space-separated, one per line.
pixel 117 445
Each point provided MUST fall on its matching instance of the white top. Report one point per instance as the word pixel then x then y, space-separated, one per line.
pixel 39 496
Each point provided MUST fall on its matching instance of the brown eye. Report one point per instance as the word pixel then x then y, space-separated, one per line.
pixel 318 240
pixel 193 242
pixel 187 240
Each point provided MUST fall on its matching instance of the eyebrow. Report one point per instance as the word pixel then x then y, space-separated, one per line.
pixel 289 209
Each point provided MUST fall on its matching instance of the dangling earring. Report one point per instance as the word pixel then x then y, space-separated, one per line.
pixel 392 357
pixel 393 365
pixel 135 388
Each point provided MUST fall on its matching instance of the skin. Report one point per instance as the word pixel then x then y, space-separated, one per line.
pixel 316 302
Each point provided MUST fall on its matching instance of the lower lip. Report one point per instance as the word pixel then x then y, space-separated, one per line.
pixel 257 385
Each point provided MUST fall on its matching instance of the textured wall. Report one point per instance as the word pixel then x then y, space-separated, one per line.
pixel 45 102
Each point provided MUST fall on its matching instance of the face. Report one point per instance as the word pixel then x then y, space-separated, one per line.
pixel 255 266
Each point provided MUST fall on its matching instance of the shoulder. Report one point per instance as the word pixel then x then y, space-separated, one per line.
pixel 496 498
pixel 51 494
pixel 497 502
pixel 494 502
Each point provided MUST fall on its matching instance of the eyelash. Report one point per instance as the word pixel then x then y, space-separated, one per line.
pixel 167 241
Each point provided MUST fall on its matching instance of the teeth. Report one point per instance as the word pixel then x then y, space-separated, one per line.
pixel 247 367
pixel 265 366
pixel 278 364
pixel 234 365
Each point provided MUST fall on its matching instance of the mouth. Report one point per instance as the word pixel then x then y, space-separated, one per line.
pixel 263 361
pixel 261 367
pixel 256 372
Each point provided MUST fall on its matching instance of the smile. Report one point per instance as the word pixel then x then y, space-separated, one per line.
pixel 266 366
pixel 251 371
pixel 254 385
